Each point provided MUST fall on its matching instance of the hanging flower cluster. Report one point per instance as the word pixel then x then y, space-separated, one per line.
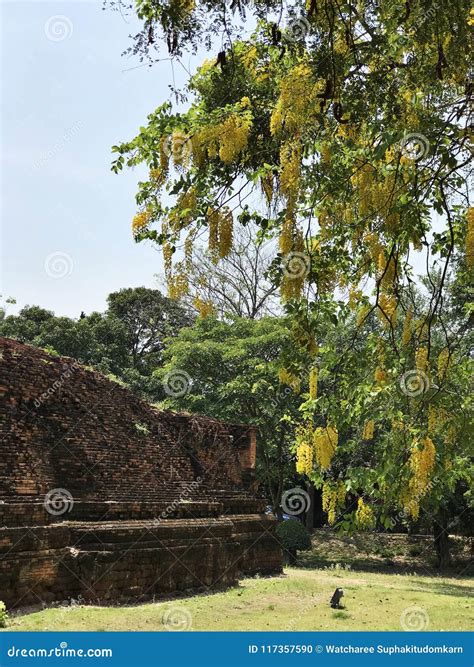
pixel 333 496
pixel 313 383
pixel 205 308
pixel 220 223
pixel 364 517
pixel 325 442
pixel 140 221
pixel 422 461
pixel 369 428
pixel 304 450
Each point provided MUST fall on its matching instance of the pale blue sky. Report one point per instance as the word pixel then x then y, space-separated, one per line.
pixel 66 99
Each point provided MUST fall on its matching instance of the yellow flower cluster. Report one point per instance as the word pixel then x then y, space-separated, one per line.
pixel 369 428
pixel 184 211
pixel 422 460
pixel 443 363
pixel 437 418
pixel 220 224
pixel 374 246
pixel 290 163
pixel 296 104
pixel 387 309
pixel 304 449
pixel 362 181
pixel 157 176
pixel 380 375
pixel 181 148
pixel 325 442
pixel 326 154
pixel 164 154
pixel 140 221
pixel 421 359
pixel 365 519
pixel 332 496
pixel 313 383
pixel 290 379
pixel 227 139
pixel 233 136
pixel 177 283
pixel 304 459
pixel 355 295
pixel 204 307
pixel 362 314
pixel 296 269
pixel 287 232
pixel 184 7
pixel 407 327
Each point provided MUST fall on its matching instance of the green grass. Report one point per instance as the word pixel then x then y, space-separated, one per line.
pixel 297 600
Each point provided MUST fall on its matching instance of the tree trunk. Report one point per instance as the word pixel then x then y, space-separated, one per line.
pixel 291 556
pixel 309 518
pixel 441 541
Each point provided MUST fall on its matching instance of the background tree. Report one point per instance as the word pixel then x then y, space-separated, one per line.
pixel 127 340
pixel 231 369
pixel 238 285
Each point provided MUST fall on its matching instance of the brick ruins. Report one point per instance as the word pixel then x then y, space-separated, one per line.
pixel 105 498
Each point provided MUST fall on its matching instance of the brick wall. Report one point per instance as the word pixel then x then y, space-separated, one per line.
pixel 156 501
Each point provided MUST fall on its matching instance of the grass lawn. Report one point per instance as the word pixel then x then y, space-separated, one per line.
pixel 297 600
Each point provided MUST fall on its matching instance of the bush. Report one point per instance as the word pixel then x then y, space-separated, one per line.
pixel 3 615
pixel 293 537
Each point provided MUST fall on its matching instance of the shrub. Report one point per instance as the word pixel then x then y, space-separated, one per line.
pixel 293 537
pixel 3 615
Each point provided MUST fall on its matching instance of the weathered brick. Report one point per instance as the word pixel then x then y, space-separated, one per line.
pixel 161 502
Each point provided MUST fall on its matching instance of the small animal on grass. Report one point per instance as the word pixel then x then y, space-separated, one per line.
pixel 336 599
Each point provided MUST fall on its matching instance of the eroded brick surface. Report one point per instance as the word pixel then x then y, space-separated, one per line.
pixel 156 502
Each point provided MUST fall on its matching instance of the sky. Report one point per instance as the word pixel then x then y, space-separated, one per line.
pixel 68 95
